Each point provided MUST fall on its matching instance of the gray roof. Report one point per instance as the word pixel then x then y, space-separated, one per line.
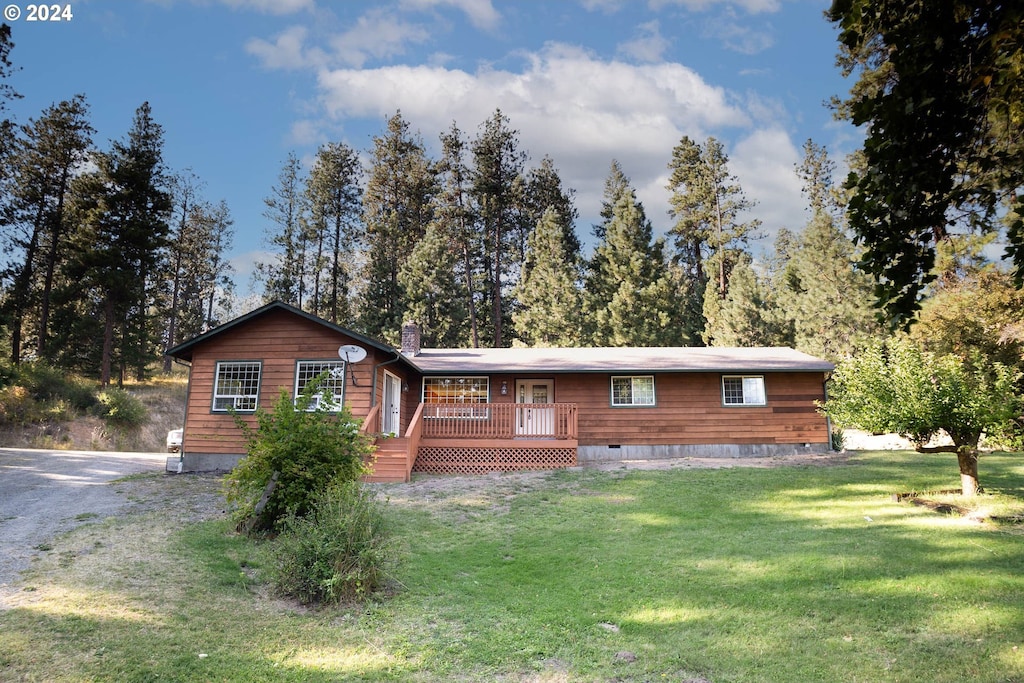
pixel 617 359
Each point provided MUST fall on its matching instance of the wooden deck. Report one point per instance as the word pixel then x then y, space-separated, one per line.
pixel 477 439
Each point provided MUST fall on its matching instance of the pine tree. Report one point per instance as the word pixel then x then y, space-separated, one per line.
pixel 548 294
pixel 197 272
pixel 6 68
pixel 126 207
pixel 825 297
pixel 397 207
pixel 435 296
pixel 218 286
pixel 497 192
pixel 614 185
pixel 42 166
pixel 629 298
pixel 6 93
pixel 283 278
pixel 456 223
pixel 183 242
pixel 544 191
pixel 706 202
pixel 335 203
pixel 747 316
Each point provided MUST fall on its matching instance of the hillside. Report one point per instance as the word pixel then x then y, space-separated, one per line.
pixel 165 407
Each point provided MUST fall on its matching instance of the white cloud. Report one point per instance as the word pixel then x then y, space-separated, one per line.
pixel 279 7
pixel 286 52
pixel 648 46
pixel 306 133
pixel 606 6
pixel 481 13
pixel 737 36
pixel 751 6
pixel 580 110
pixel 376 34
pixel 765 164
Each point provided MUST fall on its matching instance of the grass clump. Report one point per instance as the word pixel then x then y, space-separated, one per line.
pixel 341 550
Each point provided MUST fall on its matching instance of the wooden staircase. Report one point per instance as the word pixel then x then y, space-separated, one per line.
pixel 392 462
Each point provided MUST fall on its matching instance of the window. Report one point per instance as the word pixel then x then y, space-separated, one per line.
pixel 236 386
pixel 633 391
pixel 457 391
pixel 743 391
pixel 332 386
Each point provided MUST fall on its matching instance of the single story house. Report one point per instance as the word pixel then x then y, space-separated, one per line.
pixel 483 410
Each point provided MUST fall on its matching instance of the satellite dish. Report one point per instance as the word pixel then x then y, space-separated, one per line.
pixel 350 353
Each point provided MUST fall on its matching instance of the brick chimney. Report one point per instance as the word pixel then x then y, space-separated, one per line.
pixel 411 339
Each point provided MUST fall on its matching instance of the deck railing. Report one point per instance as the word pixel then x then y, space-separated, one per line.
pixel 499 421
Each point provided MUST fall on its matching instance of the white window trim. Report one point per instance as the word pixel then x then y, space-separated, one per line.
pixel 632 392
pixel 235 398
pixel 746 403
pixel 338 399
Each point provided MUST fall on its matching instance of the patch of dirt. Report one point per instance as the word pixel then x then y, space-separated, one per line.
pixel 464 495
pixel 183 498
pixel 165 408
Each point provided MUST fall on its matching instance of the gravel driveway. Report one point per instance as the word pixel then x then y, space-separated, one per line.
pixel 45 493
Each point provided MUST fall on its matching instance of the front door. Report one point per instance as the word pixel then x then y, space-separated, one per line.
pixel 391 410
pixel 531 421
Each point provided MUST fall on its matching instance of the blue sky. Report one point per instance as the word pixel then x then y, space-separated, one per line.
pixel 238 84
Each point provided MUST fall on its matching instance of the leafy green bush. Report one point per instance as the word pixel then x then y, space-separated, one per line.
pixel 309 449
pixel 340 550
pixel 51 384
pixel 121 410
pixel 18 407
pixel 34 392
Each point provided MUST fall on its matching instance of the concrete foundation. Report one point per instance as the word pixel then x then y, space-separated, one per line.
pixel 203 462
pixel 587 454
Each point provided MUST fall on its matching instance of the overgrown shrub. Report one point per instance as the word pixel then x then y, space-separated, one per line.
pixel 309 449
pixel 51 384
pixel 340 550
pixel 121 410
pixel 18 407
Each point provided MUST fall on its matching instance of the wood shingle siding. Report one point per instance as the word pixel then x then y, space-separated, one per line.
pixel 278 340
pixel 689 410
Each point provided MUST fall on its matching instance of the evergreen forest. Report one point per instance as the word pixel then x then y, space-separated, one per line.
pixel 111 257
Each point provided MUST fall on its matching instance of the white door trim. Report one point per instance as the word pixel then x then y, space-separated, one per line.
pixel 391 405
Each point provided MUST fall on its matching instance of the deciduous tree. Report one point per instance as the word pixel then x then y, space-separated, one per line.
pixel 939 92
pixel 896 387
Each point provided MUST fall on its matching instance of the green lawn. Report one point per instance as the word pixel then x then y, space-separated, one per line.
pixel 786 574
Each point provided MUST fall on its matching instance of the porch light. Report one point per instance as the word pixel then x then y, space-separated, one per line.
pixel 504 387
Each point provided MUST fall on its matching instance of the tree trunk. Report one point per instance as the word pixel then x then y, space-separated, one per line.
pixel 967 457
pixel 108 341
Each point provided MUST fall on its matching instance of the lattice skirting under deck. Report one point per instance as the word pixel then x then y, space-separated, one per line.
pixel 483 460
